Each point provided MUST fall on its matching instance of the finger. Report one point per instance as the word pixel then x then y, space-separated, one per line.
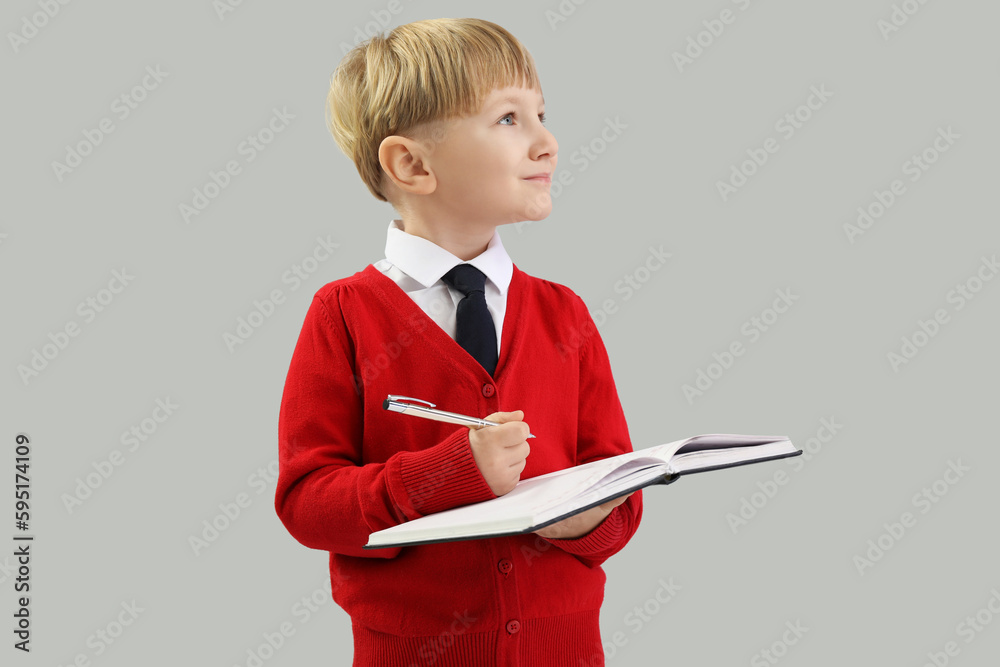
pixel 611 504
pixel 517 452
pixel 518 467
pixel 510 438
pixel 501 417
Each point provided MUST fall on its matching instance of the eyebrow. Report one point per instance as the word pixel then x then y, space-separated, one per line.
pixel 510 100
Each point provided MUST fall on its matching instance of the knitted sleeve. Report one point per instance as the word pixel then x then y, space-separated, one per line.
pixel 327 496
pixel 602 432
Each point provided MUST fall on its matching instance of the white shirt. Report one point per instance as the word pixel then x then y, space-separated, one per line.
pixel 416 265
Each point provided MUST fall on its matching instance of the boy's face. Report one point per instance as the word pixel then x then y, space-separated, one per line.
pixel 485 163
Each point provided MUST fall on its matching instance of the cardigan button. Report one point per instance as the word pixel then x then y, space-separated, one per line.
pixel 505 566
pixel 513 626
pixel 489 390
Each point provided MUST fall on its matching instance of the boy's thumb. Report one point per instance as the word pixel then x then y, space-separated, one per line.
pixel 502 417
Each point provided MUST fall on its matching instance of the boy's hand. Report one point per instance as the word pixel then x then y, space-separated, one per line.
pixel 580 524
pixel 501 451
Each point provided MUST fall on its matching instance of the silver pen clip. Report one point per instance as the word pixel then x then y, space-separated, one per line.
pixel 390 402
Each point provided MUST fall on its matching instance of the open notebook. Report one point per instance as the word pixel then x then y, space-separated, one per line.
pixel 539 501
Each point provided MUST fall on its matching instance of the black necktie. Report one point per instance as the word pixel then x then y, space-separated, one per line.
pixel 476 332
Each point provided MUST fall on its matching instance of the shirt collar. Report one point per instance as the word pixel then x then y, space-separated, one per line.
pixel 426 262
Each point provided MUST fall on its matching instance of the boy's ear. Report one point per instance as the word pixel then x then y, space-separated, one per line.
pixel 403 160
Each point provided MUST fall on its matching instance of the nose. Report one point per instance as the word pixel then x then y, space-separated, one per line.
pixel 546 144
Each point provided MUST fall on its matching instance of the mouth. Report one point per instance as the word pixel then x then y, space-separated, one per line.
pixel 544 177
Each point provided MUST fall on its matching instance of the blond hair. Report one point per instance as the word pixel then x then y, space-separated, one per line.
pixel 421 73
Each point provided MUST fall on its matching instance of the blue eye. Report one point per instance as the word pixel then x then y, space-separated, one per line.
pixel 541 117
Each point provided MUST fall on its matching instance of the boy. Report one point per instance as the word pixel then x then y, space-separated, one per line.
pixel 443 119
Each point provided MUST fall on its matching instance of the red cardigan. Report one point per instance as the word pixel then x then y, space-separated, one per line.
pixel 348 468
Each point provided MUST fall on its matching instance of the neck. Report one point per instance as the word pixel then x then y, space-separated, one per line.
pixel 462 240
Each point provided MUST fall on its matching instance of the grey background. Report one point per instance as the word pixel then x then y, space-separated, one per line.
pixel 654 185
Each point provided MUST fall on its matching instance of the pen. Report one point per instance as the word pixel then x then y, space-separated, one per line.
pixel 398 404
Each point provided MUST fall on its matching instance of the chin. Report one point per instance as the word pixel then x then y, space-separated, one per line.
pixel 539 209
